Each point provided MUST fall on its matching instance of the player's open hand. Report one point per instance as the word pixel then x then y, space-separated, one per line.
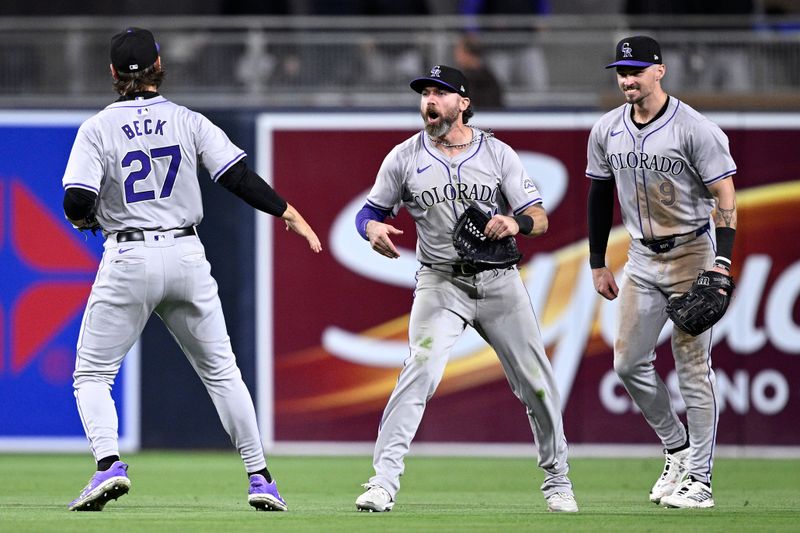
pixel 296 223
pixel 380 240
pixel 604 283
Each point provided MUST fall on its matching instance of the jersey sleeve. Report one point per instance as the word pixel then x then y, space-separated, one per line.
pixel 516 185
pixel 216 151
pixel 597 166
pixel 711 153
pixel 85 165
pixel 387 191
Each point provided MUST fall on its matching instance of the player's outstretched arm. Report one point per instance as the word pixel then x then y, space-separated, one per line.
pixel 296 223
pixel 379 238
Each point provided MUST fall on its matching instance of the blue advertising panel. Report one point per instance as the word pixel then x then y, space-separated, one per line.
pixel 47 272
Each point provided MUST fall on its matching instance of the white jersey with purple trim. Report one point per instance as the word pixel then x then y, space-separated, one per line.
pixel 663 170
pixel 141 156
pixel 436 189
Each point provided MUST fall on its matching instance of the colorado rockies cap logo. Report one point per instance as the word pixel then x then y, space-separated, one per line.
pixel 436 71
pixel 627 51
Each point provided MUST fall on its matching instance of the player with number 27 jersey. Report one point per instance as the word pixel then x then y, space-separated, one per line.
pixel 133 173
pixel 140 157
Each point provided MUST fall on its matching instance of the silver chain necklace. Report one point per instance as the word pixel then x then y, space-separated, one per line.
pixel 476 136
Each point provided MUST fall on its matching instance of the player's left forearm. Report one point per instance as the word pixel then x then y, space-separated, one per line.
pixel 540 222
pixel 725 220
pixel 725 196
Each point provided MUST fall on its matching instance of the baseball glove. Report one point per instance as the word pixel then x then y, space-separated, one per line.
pixel 703 304
pixel 90 223
pixel 476 249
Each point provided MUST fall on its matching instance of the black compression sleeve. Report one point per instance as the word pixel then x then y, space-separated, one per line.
pixel 249 186
pixel 601 215
pixel 78 203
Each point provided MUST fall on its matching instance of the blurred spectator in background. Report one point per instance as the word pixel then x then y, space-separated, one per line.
pixel 485 92
pixel 504 7
pixel 689 7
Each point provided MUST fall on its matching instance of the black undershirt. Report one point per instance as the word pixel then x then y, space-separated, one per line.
pixel 238 179
pixel 138 94
pixel 658 115
pixel 601 206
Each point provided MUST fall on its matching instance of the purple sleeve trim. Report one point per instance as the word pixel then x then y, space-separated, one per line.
pixel 81 186
pixel 228 165
pixel 532 202
pixel 721 176
pixel 596 177
pixel 367 213
pixel 382 208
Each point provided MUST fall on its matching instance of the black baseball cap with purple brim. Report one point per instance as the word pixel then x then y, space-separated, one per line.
pixel 443 76
pixel 133 50
pixel 637 51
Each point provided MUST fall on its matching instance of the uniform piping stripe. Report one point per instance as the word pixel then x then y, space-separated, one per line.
pixel 446 169
pixel 644 176
pixel 625 114
pixel 149 103
pixel 596 177
pixel 80 186
pixel 710 462
pixel 721 176
pixel 378 206
pixel 477 149
pixel 228 165
pixel 532 202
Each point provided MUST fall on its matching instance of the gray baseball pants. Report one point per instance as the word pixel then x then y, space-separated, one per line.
pixel 650 279
pixel 172 278
pixel 497 305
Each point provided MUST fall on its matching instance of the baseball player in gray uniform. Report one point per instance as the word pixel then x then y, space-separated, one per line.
pixel 133 171
pixel 436 175
pixel 672 169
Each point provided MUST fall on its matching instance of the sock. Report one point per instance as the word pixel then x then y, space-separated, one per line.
pixel 682 446
pixel 695 480
pixel 264 472
pixel 106 462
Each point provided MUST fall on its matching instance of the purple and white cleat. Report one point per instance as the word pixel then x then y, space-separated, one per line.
pixel 264 496
pixel 104 486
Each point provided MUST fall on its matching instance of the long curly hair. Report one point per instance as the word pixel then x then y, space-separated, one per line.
pixel 132 82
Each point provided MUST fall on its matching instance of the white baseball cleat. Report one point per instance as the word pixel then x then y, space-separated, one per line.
pixel 690 494
pixel 375 500
pixel 562 502
pixel 676 465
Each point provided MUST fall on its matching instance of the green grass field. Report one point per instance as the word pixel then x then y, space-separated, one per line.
pixel 191 491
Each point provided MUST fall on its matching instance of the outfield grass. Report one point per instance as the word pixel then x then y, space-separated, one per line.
pixel 190 491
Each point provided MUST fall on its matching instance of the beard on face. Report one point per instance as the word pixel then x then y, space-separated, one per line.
pixel 630 98
pixel 442 128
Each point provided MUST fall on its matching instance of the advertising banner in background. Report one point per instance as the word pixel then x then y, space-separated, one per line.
pixel 47 273
pixel 332 328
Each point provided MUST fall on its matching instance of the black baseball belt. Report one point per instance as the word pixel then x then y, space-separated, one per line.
pixel 458 269
pixel 138 235
pixel 665 244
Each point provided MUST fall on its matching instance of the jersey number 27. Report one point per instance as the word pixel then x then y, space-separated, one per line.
pixel 145 160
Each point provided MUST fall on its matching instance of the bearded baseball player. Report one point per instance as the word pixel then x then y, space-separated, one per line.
pixel 437 175
pixel 132 173
pixel 674 178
